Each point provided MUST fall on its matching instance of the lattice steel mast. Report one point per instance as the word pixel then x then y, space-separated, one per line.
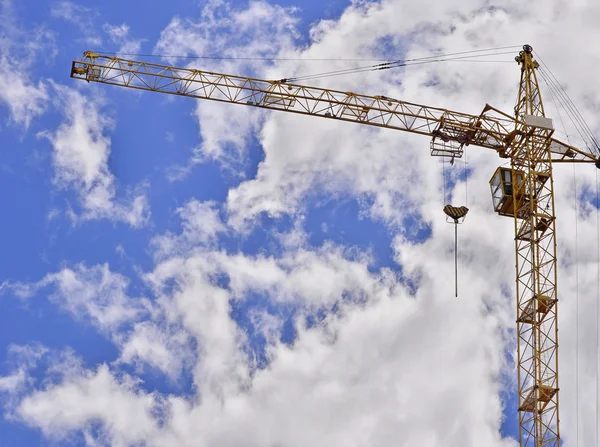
pixel 523 192
pixel 535 249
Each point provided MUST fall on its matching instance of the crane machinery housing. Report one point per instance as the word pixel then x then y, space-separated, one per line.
pixel 524 191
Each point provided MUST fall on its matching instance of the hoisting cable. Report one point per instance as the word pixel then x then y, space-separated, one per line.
pixel 555 96
pixel 589 139
pixel 576 303
pixel 370 69
pixel 444 179
pixel 462 56
pixel 455 259
pixel 394 64
pixel 574 108
pixel 243 58
pixel 266 58
pixel 568 104
pixel 466 174
pixel 597 307
pixel 456 213
pixel 575 120
pixel 573 113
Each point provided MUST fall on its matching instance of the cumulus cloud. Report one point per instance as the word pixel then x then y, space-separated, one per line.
pixel 304 155
pixel 23 358
pixel 146 333
pixel 82 400
pixel 72 12
pixel 201 224
pixel 349 380
pixel 167 348
pixel 25 98
pixel 261 30
pixel 12 382
pixel 94 294
pixel 81 148
pixel 119 34
pixel 80 16
pixel 307 155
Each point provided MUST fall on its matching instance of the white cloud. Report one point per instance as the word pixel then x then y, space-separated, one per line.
pixel 304 155
pixel 12 382
pixel 116 32
pixel 80 16
pixel 92 294
pixel 166 348
pixel 144 332
pixel 72 12
pixel 201 224
pixel 371 371
pixel 318 277
pixel 81 150
pixel 381 336
pixel 53 214
pixel 22 359
pixel 80 401
pixel 268 325
pixel 350 380
pixel 119 34
pixel 261 30
pixel 25 98
pixel 96 294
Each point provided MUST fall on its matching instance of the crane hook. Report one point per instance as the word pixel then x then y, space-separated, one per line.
pixel 456 213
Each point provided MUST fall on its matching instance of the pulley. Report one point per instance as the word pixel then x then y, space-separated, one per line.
pixel 456 212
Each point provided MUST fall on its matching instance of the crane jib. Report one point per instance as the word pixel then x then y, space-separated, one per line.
pixel 450 130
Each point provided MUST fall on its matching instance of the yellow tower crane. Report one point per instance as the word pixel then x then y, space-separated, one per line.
pixel 523 192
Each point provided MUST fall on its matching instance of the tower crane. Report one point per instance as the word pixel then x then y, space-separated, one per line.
pixel 524 191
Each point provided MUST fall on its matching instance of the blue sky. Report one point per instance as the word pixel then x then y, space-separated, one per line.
pixel 174 271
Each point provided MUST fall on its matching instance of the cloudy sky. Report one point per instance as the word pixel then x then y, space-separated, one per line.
pixel 178 272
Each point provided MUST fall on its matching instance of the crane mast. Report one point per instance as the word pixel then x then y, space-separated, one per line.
pixel 523 192
pixel 535 250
